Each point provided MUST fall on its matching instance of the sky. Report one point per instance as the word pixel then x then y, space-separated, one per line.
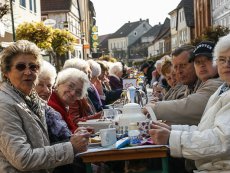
pixel 112 14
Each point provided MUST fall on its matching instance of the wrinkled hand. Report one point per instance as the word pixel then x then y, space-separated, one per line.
pixel 161 124
pixel 84 129
pixel 80 140
pixel 160 135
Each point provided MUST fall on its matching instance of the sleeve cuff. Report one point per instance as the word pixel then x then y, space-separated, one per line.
pixel 64 151
pixel 175 143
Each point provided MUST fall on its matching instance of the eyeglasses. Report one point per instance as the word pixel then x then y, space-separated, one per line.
pixel 223 60
pixel 22 66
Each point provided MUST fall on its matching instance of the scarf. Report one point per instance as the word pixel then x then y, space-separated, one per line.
pixel 32 100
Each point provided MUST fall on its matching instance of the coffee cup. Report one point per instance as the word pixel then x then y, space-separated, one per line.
pixel 108 137
pixel 143 127
pixel 110 113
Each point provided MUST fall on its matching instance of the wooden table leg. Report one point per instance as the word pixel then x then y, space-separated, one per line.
pixel 165 167
pixel 89 168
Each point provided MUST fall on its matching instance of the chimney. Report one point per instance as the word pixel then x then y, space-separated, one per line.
pixel 140 19
pixel 128 21
pixel 147 20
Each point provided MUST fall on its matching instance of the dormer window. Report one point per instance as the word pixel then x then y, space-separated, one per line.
pixel 135 33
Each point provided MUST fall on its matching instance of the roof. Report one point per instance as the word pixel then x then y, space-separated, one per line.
pixel 103 41
pixel 55 5
pixel 126 29
pixel 153 31
pixel 188 6
pixel 165 28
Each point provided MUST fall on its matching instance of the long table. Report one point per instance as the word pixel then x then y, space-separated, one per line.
pixel 129 153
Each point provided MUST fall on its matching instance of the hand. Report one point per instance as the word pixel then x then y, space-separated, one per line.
pixel 154 100
pixel 85 129
pixel 79 141
pixel 161 124
pixel 159 135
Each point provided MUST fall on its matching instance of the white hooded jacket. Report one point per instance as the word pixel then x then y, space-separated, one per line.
pixel 209 142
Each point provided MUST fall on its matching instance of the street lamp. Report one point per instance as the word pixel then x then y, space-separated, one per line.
pixel 12 19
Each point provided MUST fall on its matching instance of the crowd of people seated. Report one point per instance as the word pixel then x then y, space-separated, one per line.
pixel 41 108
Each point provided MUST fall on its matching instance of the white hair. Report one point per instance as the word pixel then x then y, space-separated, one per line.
pixel 222 45
pixel 47 70
pixel 72 73
pixel 115 68
pixel 95 68
pixel 77 63
pixel 158 62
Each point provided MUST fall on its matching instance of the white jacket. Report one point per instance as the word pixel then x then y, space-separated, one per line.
pixel 209 142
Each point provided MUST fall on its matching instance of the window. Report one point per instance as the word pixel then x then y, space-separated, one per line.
pixel 35 6
pixel 23 3
pixel 135 33
pixel 31 5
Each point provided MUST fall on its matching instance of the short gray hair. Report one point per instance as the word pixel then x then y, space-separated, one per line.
pixel 77 63
pixel 95 68
pixel 72 73
pixel 115 67
pixel 48 70
pixel 222 45
pixel 18 48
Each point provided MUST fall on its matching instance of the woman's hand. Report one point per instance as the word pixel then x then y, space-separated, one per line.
pixel 80 140
pixel 160 135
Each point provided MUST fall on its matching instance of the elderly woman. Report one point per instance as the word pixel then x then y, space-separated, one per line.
pixel 95 91
pixel 24 141
pixel 176 90
pixel 115 74
pixel 110 95
pixel 207 143
pixel 57 127
pixel 71 85
pixel 82 109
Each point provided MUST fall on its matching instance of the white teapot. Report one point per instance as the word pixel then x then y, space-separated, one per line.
pixel 131 113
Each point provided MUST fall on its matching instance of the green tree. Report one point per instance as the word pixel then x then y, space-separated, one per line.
pixel 62 42
pixel 4 9
pixel 56 41
pixel 36 32
pixel 212 33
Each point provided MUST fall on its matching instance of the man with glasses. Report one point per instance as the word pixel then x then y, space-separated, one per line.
pixel 189 109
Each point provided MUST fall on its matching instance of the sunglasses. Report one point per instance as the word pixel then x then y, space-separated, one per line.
pixel 22 66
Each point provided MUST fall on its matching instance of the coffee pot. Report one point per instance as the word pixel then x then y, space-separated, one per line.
pixel 131 113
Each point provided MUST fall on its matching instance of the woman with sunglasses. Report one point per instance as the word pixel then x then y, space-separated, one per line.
pixel 24 140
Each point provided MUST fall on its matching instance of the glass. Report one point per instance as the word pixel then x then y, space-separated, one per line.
pixel 223 60
pixel 72 87
pixel 22 66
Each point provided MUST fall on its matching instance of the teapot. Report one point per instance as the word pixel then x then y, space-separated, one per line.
pixel 131 113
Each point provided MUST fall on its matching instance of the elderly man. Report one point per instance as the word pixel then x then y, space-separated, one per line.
pixel 189 109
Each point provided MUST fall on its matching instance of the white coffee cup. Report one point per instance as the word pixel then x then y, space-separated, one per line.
pixel 108 137
pixel 110 113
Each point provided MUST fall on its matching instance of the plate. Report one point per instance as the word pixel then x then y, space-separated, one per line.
pixel 97 124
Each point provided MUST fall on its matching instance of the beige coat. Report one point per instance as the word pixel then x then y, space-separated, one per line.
pixel 189 109
pixel 176 92
pixel 24 142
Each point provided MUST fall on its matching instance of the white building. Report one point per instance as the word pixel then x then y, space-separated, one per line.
pixel 221 12
pixel 23 11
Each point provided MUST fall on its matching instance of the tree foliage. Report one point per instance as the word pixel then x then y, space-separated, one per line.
pixel 63 41
pixel 35 32
pixel 4 9
pixel 212 33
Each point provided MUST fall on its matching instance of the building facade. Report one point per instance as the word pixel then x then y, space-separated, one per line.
pixel 23 11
